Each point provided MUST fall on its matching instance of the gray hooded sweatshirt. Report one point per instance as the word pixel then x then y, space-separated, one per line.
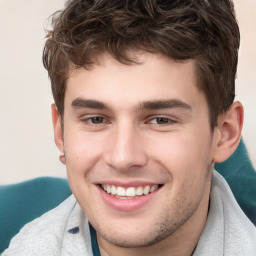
pixel 65 230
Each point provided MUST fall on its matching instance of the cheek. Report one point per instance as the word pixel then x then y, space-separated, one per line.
pixel 82 151
pixel 183 154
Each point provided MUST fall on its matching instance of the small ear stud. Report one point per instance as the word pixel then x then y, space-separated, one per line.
pixel 62 159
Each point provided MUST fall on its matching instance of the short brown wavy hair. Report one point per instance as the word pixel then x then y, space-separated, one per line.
pixel 203 30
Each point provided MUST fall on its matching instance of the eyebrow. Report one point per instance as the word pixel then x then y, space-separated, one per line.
pixel 86 103
pixel 164 104
pixel 148 105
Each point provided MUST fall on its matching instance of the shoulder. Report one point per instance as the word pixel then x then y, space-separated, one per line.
pixel 228 231
pixel 43 235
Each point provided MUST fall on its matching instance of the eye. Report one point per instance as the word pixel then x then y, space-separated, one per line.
pixel 161 120
pixel 97 120
pixel 94 123
pixel 94 120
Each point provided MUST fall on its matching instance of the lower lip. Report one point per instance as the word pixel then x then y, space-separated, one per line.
pixel 126 204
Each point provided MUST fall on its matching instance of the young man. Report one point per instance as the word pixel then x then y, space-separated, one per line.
pixel 144 108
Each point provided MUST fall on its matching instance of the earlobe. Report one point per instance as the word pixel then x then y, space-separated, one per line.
pixel 229 128
pixel 58 136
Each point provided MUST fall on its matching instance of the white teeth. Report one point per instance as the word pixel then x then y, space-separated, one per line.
pixel 120 191
pixel 129 192
pixel 139 191
pixel 146 190
pixel 108 189
pixel 113 190
pixel 153 188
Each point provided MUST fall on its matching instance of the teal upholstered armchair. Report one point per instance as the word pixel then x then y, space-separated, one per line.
pixel 21 203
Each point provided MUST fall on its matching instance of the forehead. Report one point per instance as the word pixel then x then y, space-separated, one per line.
pixel 154 77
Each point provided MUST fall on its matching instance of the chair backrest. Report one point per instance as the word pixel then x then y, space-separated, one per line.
pixel 22 202
pixel 241 177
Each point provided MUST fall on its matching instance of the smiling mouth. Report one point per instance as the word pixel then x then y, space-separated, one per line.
pixel 130 192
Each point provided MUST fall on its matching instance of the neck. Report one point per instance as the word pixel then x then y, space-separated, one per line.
pixel 181 243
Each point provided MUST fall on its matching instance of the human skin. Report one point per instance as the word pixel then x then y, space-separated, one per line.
pixel 137 125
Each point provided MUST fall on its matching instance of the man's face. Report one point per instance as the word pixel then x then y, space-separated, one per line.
pixel 138 147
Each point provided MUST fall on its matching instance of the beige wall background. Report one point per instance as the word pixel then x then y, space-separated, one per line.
pixel 27 149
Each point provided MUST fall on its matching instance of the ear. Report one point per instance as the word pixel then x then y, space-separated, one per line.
pixel 229 132
pixel 58 135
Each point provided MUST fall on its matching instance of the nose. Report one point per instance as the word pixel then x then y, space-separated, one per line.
pixel 125 148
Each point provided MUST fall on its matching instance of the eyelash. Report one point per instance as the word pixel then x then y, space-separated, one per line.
pixel 89 120
pixel 100 121
pixel 167 121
